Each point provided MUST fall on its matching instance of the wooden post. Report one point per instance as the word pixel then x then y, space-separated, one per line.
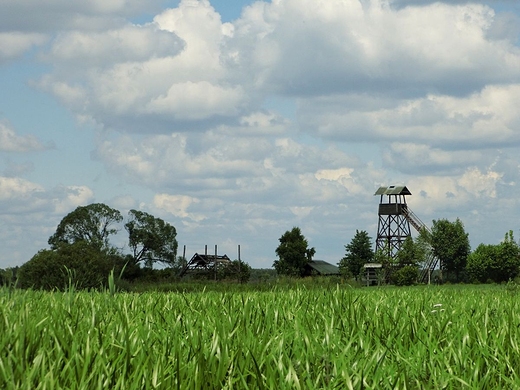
pixel 215 262
pixel 239 275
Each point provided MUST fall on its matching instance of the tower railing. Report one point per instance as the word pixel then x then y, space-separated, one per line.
pixel 431 261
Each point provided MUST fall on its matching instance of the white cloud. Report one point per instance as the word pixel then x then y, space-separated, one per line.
pixel 177 205
pixel 420 159
pixel 72 197
pixel 126 44
pixel 462 193
pixel 13 43
pixel 12 188
pixel 485 119
pixel 192 101
pixel 188 67
pixel 169 69
pixel 309 47
pixel 11 142
pixel 480 184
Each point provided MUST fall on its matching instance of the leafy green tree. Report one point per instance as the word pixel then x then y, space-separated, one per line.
pixel 151 239
pixel 92 224
pixel 497 263
pixel 358 253
pixel 293 253
pixel 450 244
pixel 508 266
pixel 409 253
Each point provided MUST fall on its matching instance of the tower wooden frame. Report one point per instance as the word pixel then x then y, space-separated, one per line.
pixel 393 226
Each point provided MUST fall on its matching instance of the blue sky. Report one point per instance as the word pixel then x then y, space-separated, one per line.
pixel 237 120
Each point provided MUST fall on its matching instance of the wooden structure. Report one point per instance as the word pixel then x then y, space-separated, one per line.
pixel 204 264
pixel 393 227
pixel 395 218
pixel 372 274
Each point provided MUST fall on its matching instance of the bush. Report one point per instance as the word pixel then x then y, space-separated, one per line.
pixel 405 276
pixel 80 264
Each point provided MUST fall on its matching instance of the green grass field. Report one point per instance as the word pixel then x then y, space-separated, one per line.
pixel 284 338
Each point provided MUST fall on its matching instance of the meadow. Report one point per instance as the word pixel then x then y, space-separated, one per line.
pixel 297 337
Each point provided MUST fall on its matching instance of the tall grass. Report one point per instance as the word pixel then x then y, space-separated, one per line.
pixel 299 338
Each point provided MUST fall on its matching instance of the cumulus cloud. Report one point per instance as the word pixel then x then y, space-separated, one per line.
pixel 127 78
pixel 255 170
pixel 12 142
pixel 454 192
pixel 484 119
pixel 191 101
pixel 318 48
pixel 187 69
pixel 423 159
pixel 13 43
pixel 68 198
pixel 126 44
pixel 14 188
pixel 177 205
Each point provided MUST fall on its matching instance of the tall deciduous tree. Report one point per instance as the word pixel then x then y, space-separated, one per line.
pixel 450 244
pixel 412 252
pixel 151 239
pixel 358 253
pixel 293 253
pixel 497 263
pixel 92 224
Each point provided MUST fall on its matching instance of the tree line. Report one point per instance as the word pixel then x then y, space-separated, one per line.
pixel 447 241
pixel 81 251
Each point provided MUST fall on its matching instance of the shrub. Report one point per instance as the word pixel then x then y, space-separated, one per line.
pixel 405 276
pixel 81 264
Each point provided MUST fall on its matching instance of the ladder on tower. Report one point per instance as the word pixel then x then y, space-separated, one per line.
pixel 431 261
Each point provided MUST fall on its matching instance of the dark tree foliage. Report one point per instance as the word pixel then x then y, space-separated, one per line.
pixel 236 270
pixel 8 276
pixel 358 253
pixel 81 264
pixel 406 268
pixel 151 239
pixel 450 244
pixel 293 253
pixel 496 263
pixel 92 224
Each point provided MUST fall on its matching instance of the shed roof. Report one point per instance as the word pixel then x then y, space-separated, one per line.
pixel 373 265
pixel 323 267
pixel 393 190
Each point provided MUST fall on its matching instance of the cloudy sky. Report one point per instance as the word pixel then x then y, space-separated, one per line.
pixel 236 120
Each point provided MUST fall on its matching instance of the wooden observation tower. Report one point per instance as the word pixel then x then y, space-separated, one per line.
pixel 393 226
pixel 395 218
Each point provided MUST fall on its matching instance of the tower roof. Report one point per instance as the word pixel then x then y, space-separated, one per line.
pixel 393 190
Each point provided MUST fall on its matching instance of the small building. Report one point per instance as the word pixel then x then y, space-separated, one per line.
pixel 320 267
pixel 373 273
